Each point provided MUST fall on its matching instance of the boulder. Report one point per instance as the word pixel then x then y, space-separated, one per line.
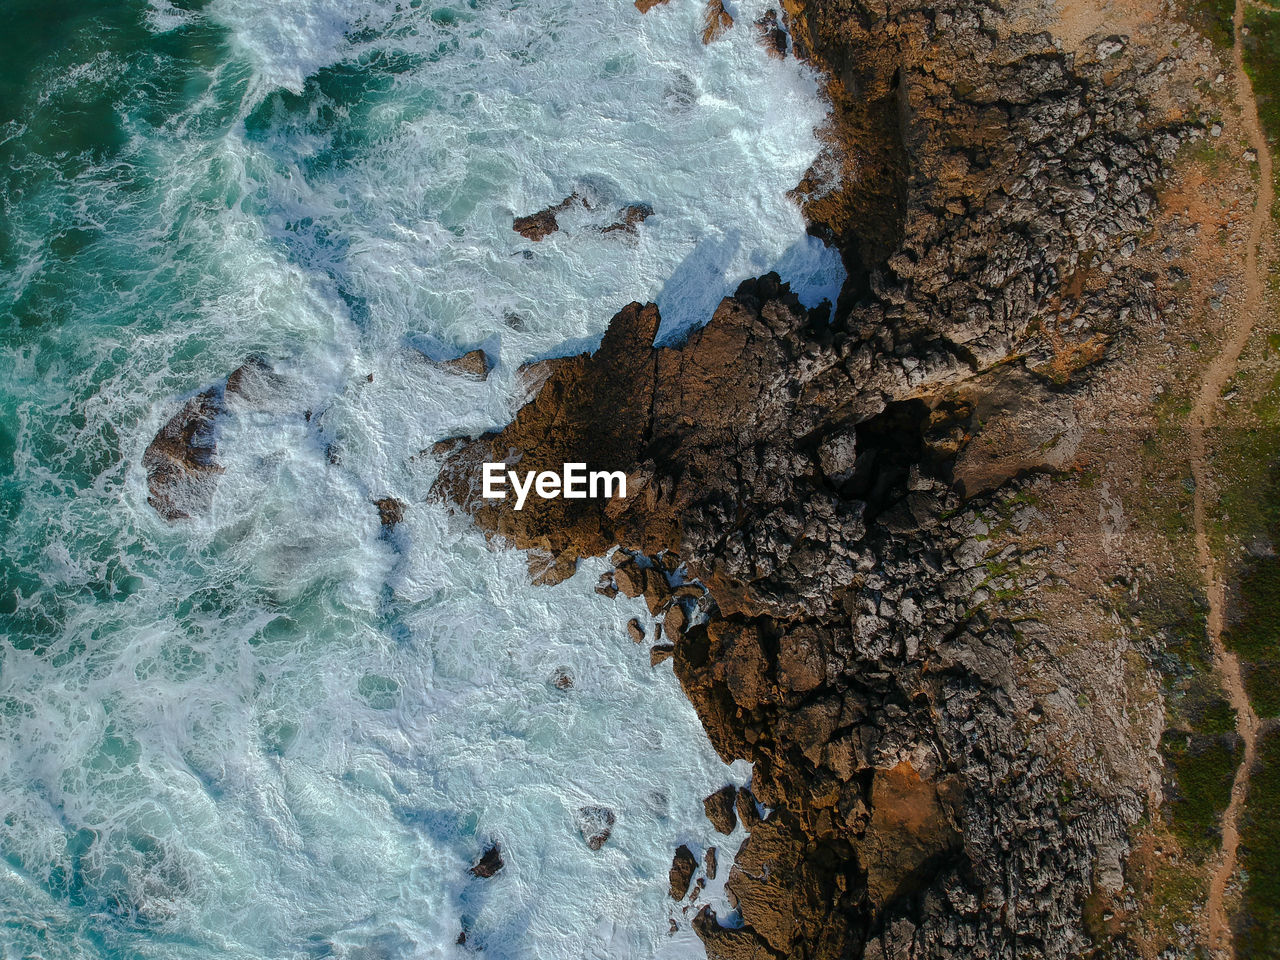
pixel 489 864
pixel 719 808
pixel 595 823
pixel 683 867
pixel 390 512
pixel 538 226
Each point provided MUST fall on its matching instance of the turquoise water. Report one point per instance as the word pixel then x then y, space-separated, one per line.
pixel 272 731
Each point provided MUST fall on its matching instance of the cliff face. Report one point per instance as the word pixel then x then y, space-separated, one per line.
pixel 858 493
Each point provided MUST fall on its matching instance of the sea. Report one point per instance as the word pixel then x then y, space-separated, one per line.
pixel 276 730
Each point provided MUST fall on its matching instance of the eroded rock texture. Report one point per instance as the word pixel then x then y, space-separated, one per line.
pixel 987 189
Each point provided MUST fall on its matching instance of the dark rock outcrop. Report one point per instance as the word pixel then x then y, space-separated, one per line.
pixel 540 225
pixel 811 470
pixel 720 808
pixel 683 866
pixel 390 512
pixel 181 460
pixel 489 864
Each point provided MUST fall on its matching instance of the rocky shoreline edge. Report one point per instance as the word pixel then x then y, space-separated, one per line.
pixel 835 512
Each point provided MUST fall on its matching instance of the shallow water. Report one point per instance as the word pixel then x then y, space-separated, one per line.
pixel 274 731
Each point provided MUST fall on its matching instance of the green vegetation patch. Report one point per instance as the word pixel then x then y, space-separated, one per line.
pixel 1258 926
pixel 1262 62
pixel 1213 19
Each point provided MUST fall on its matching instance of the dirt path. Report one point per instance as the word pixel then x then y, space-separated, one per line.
pixel 1202 415
pixel 1262 5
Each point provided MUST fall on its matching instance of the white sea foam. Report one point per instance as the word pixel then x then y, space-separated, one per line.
pixel 273 731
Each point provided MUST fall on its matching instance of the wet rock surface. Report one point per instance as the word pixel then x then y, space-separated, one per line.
pixel 821 474
pixel 181 460
pixel 595 823
pixel 683 866
pixel 489 864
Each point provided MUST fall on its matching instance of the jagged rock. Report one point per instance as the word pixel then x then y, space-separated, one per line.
pixel 715 21
pixel 772 37
pixel 719 808
pixel 563 678
pixel 630 578
pixel 634 630
pixel 710 863
pixel 390 512
pixel 181 460
pixel 630 216
pixel 596 825
pixel 746 808
pixel 540 225
pixel 644 6
pixel 657 593
pixel 489 864
pixel 473 363
pixel 674 622
pixel 683 867
pixel 660 652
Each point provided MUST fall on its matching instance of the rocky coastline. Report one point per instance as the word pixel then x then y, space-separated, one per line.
pixel 830 479
pixel 844 519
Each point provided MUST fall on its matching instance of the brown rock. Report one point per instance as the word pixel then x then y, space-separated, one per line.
pixel 634 630
pixel 674 622
pixel 473 363
pixel 390 511
pixel 596 825
pixel 546 569
pixel 909 825
pixel 563 678
pixel 710 863
pixel 772 36
pixel 657 592
pixel 660 652
pixel 719 808
pixel 631 215
pixel 715 21
pixel 181 469
pixel 801 663
pixel 644 6
pixel 537 226
pixel 605 586
pixel 630 578
pixel 683 867
pixel 254 381
pixel 489 864
pixel 746 807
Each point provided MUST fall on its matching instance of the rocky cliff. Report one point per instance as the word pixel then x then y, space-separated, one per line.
pixel 897 614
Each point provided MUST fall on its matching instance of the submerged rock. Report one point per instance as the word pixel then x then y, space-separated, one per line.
pixel 181 460
pixel 772 37
pixel 595 823
pixel 630 216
